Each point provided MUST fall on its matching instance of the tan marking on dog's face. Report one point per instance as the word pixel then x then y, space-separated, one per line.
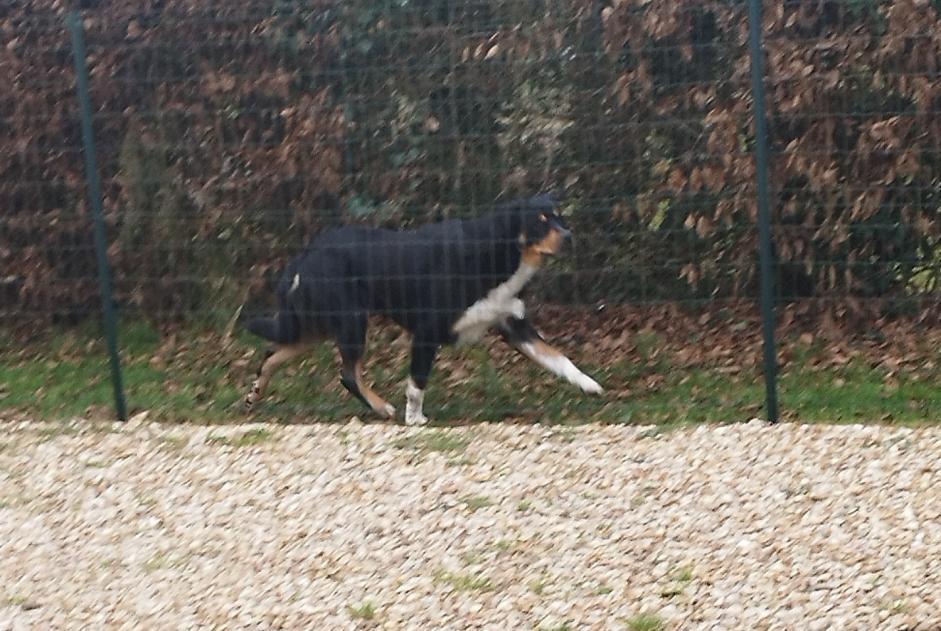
pixel 550 244
pixel 531 257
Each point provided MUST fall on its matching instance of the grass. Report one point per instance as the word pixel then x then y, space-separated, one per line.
pixel 439 441
pixel 172 444
pixel 684 573
pixel 897 607
pixel 476 502
pixel 161 561
pixel 645 622
pixel 61 428
pixel 23 602
pixel 464 581
pixel 538 585
pixel 246 439
pixel 364 611
pixel 199 378
pixel 681 575
pixel 472 557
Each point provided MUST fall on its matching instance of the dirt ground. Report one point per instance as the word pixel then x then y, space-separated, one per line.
pixel 494 526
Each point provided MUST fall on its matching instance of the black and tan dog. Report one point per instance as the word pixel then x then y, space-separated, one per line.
pixel 448 282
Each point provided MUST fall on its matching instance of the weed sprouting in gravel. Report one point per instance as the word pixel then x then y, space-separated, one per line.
pixel 463 581
pixel 161 561
pixel 684 573
pixel 645 621
pixel 250 438
pixel 538 585
pixel 433 441
pixel 363 611
pixel 57 428
pixel 172 444
pixel 476 502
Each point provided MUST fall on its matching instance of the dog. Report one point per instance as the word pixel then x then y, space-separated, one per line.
pixel 449 282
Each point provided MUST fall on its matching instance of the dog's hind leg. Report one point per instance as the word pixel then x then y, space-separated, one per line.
pixel 352 345
pixel 273 360
pixel 523 336
pixel 352 380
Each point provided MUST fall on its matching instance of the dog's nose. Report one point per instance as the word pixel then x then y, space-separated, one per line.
pixel 566 233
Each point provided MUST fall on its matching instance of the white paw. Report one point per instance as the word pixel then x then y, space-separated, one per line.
pixel 416 419
pixel 589 385
pixel 252 397
pixel 388 411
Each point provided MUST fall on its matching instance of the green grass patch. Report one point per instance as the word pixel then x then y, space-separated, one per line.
pixel 161 561
pixel 681 575
pixel 198 378
pixel 476 502
pixel 684 573
pixel 464 581
pixel 539 585
pixel 364 611
pixel 472 557
pixel 645 622
pixel 439 441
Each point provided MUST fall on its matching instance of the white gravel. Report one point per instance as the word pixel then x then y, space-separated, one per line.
pixel 741 526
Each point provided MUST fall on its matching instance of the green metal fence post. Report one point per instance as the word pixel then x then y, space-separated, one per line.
pixel 94 194
pixel 764 212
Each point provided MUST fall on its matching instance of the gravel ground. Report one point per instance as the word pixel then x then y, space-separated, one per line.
pixel 490 526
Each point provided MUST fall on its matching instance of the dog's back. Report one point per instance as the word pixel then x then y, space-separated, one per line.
pixel 424 277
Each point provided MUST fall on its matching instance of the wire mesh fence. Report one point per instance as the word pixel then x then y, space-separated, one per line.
pixel 229 136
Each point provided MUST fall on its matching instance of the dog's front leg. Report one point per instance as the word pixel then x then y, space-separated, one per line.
pixel 423 357
pixel 521 335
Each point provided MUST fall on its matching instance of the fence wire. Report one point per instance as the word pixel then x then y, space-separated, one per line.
pixel 230 136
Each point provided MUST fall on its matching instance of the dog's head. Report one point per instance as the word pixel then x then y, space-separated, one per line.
pixel 542 231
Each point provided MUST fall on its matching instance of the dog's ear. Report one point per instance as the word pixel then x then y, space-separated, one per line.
pixel 542 201
pixel 552 198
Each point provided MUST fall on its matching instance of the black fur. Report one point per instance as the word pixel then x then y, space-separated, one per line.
pixel 423 279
